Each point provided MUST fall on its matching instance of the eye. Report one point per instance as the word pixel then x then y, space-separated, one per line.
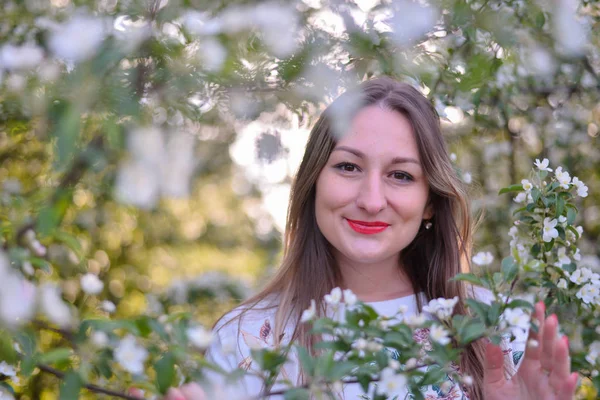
pixel 401 176
pixel 347 167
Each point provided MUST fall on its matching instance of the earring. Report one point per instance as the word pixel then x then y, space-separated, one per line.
pixel 428 225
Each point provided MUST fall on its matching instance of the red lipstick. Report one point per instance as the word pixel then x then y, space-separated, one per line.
pixel 367 227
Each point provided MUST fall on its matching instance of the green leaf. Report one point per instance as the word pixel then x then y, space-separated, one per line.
pixel 511 188
pixel 472 330
pixel 435 374
pixel 480 309
pixel 71 386
pixel 165 372
pixel 519 303
pixel 560 206
pixel 7 388
pixel 535 194
pixel 540 20
pixel 468 277
pixel 341 369
pixel 493 313
pixel 324 364
pixel 297 394
pixel 571 214
pixel 66 130
pixel 398 340
pixel 306 361
pixel 509 269
pixel 7 350
pixel 55 355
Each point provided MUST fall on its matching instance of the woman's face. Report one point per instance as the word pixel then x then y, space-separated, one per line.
pixel 371 196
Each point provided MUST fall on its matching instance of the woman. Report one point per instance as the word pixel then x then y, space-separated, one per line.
pixel 376 207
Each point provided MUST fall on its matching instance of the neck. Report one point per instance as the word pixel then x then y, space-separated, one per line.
pixel 379 281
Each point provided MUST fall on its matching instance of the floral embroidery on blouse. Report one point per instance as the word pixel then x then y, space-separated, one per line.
pixel 263 340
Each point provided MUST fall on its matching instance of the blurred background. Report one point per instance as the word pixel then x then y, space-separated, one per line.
pixel 153 143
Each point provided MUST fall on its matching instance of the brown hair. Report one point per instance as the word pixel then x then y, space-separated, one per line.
pixel 308 269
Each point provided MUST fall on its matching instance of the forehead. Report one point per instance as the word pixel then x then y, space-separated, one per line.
pixel 381 132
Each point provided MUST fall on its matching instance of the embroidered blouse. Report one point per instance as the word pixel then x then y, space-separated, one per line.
pixel 231 350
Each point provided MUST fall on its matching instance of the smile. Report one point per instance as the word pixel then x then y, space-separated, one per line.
pixel 367 228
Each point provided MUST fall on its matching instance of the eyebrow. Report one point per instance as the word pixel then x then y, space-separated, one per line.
pixel 360 154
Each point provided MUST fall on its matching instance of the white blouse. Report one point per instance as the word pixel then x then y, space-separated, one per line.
pixel 231 350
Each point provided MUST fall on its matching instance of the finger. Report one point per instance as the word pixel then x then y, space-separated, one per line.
pixel 567 389
pixel 561 365
pixel 548 338
pixel 530 366
pixel 193 391
pixel 174 394
pixel 534 352
pixel 493 366
pixel 135 392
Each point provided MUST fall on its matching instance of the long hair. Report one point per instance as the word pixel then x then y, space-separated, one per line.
pixel 308 269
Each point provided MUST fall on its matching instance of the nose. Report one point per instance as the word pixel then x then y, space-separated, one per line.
pixel 371 196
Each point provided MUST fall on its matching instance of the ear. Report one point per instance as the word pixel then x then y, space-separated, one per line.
pixel 428 212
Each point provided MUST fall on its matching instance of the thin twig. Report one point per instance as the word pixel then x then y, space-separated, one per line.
pixel 88 386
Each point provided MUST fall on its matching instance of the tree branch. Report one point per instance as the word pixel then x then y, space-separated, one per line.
pixel 88 386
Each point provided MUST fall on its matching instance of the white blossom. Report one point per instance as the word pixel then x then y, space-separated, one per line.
pixel 7 369
pixel 562 284
pixel 391 383
pixel 350 298
pixel 415 320
pixel 593 352
pixel 91 284
pixel 441 307
pixel 581 276
pixel 411 21
pixel 483 258
pixel 589 293
pixel 562 257
pixel 130 355
pixel 334 297
pixel 360 344
pixel 200 337
pixel 438 334
pixel 213 54
pixel 562 219
pixel 520 197
pixel 23 57
pixel 562 177
pixel 570 31
pixel 108 306
pixel 516 318
pixel 310 313
pixel 78 39
pixel 577 255
pixel 53 305
pixel 582 189
pixel 17 295
pixel 543 165
pixel 467 178
pixel 527 186
pixel 549 230
pixel 99 338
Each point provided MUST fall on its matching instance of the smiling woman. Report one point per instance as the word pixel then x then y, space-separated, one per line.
pixel 379 211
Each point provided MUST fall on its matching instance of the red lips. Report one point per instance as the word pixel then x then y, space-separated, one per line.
pixel 367 227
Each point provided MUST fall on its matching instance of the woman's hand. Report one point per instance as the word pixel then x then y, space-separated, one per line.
pixel 191 391
pixel 545 372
